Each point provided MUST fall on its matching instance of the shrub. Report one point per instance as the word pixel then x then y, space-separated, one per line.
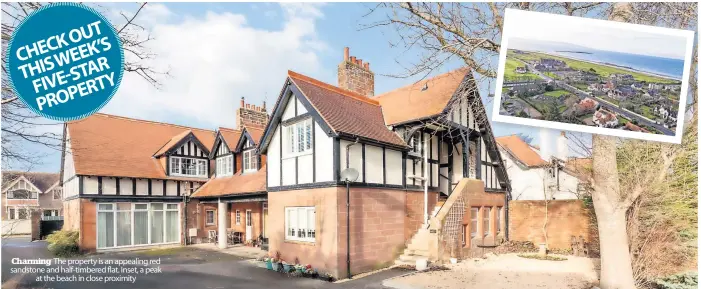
pixel 687 280
pixel 63 243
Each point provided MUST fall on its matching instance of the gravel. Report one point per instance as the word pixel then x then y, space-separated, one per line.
pixel 505 272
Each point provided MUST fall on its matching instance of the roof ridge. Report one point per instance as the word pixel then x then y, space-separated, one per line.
pixel 230 129
pixel 334 88
pixel 150 121
pixel 427 79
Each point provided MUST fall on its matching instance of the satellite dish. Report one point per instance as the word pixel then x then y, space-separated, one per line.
pixel 349 175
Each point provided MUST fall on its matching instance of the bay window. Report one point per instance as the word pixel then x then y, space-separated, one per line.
pixel 128 224
pixel 250 161
pixel 188 167
pixel 299 137
pixel 225 165
pixel 300 224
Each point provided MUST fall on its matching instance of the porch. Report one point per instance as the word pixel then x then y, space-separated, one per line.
pixel 243 220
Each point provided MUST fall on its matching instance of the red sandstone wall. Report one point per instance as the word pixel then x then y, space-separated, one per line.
pixel 566 218
pixel 377 228
pixel 415 211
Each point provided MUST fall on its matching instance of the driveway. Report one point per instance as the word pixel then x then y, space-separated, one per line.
pixel 505 272
pixel 181 267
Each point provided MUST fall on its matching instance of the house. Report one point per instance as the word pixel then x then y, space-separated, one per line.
pixel 24 193
pixel 521 69
pixel 586 106
pixel 656 86
pixel 318 130
pixel 621 93
pixel 672 87
pixel 534 178
pixel 550 64
pixel 124 179
pixel 237 187
pixel 632 127
pixel 637 86
pixel 603 118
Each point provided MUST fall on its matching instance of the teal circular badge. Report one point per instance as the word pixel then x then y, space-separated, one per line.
pixel 65 61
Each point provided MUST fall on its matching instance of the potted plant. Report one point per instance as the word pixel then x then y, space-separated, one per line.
pixel 327 277
pixel 268 263
pixel 286 268
pixel 276 261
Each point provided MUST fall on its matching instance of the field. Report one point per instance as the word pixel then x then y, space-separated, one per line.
pixel 602 70
pixel 556 93
pixel 646 111
pixel 510 73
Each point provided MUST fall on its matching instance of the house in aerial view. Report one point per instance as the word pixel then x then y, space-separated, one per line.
pixel 604 118
pixel 24 193
pixel 318 130
pixel 535 176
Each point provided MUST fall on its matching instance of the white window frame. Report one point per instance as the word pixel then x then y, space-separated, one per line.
pixel 499 212
pixel 114 209
pixel 250 161
pixel 474 221
pixel 60 193
pixel 296 144
pixel 201 170
pixel 214 217
pixel 238 217
pixel 488 220
pixel 300 216
pixel 225 165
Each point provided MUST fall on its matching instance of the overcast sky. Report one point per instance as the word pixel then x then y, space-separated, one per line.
pixel 593 34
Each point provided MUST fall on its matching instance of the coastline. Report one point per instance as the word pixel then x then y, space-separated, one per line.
pixel 615 66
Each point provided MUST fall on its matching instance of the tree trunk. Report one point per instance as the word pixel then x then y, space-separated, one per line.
pixel 616 270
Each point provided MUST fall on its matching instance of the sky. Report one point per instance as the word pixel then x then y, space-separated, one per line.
pixel 216 53
pixel 596 34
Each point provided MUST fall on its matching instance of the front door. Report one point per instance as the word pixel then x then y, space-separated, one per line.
pixel 265 219
pixel 249 226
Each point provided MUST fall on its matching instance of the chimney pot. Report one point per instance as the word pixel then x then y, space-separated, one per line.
pixel 360 62
pixel 248 106
pixel 346 53
pixel 243 103
pixel 352 59
pixel 367 65
pixel 264 101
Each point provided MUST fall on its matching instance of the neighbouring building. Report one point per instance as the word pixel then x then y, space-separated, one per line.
pixel 124 179
pixel 317 130
pixel 521 69
pixel 535 178
pixel 24 193
pixel 586 106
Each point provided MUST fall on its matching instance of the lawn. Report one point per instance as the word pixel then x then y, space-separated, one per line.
pixel 556 93
pixel 646 111
pixel 602 70
pixel 581 86
pixel 510 73
pixel 611 100
pixel 551 75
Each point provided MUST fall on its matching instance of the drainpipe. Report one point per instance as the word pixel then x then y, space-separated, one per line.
pixel 184 212
pixel 348 262
pixel 426 165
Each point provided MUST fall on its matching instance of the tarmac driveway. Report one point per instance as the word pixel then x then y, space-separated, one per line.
pixel 182 267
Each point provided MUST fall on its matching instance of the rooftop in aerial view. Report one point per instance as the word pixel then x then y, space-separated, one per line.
pixel 598 79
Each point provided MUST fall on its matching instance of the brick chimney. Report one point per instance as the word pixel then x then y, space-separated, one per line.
pixel 355 75
pixel 249 115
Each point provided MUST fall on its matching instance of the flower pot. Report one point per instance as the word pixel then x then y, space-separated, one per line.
pixel 269 265
pixel 286 268
pixel 276 266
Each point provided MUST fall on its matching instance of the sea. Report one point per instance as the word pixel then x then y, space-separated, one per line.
pixel 669 67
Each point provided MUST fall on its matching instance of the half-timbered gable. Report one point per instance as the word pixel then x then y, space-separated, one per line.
pixel 312 125
pixel 223 154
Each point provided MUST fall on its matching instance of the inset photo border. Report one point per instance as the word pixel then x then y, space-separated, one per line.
pixel 593 76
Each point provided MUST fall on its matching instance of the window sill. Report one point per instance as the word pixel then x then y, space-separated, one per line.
pixel 298 242
pixel 297 155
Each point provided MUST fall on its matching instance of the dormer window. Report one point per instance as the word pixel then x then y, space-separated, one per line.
pixel 188 167
pixel 225 165
pixel 250 161
pixel 298 137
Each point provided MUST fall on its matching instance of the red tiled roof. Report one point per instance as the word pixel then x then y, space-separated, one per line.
pixel 256 133
pixel 579 167
pixel 346 111
pixel 412 102
pixel 172 142
pixel 233 185
pixel 109 145
pixel 231 136
pixel 520 150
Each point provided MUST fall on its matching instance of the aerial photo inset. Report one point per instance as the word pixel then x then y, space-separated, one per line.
pixel 611 78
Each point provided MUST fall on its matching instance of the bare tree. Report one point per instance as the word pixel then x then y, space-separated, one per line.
pixel 20 126
pixel 471 32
